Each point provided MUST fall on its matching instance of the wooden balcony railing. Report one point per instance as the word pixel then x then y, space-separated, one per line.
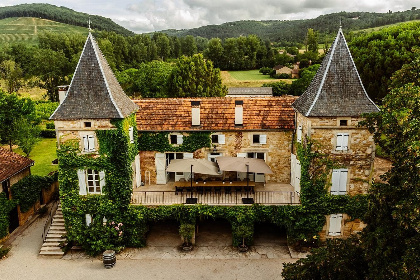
pixel 234 198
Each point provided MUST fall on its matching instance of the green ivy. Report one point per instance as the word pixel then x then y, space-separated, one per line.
pixel 27 191
pixel 159 141
pixel 6 206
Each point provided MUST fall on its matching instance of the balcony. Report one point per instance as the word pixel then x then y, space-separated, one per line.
pixel 270 194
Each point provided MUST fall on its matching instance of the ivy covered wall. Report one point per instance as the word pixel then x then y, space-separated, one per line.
pixel 127 225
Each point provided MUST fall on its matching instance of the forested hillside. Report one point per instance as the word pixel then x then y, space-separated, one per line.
pixel 295 30
pixel 63 15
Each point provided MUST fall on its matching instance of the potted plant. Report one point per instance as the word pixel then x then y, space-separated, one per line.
pixel 187 232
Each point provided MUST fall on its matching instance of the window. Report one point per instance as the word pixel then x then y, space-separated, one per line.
pixel 88 124
pixel 299 134
pixel 342 142
pixel 176 139
pixel 93 182
pixel 335 225
pixel 259 139
pixel 218 139
pixel 89 143
pixel 239 112
pixel 256 155
pixel 131 134
pixel 90 181
pixel 339 181
pixel 343 122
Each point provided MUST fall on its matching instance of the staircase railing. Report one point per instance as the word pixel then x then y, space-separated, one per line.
pixel 49 220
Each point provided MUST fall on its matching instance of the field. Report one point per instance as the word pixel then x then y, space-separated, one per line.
pixel 250 78
pixel 43 153
pixel 368 30
pixel 26 29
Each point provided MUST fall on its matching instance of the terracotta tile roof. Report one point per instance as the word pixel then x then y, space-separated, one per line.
pixel 94 92
pixel 12 163
pixel 216 114
pixel 336 90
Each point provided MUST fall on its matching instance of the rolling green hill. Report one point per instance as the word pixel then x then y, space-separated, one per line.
pixel 63 15
pixel 295 30
pixel 26 29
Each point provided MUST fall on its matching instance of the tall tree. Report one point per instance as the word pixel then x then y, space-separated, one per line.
pixel 311 40
pixel 12 74
pixel 195 77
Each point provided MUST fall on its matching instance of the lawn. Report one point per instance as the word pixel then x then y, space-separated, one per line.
pixel 43 153
pixel 251 78
pixel 249 75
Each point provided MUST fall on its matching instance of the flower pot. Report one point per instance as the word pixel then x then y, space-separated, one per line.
pixel 187 247
pixel 243 248
pixel 109 258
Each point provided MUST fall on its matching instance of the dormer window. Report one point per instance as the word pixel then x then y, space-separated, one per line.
pixel 239 112
pixel 176 139
pixel 195 113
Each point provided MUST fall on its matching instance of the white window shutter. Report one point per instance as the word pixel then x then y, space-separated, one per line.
pixel 345 142
pixel 85 144
pixel 243 155
pixel 343 181
pixel 263 139
pixel 188 155
pixel 160 162
pixel 299 134
pixel 91 144
pixel 179 139
pixel 221 139
pixel 88 219
pixel 239 115
pixel 138 170
pixel 335 224
pixel 101 179
pixel 131 134
pixel 339 146
pixel 335 188
pixel 81 175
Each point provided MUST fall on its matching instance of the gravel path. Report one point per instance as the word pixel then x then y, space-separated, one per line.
pixel 23 262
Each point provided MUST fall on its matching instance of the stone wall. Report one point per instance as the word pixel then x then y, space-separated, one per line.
pixel 359 157
pixel 48 195
pixel 348 227
pixel 277 152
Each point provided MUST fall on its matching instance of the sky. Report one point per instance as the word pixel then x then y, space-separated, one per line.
pixel 143 16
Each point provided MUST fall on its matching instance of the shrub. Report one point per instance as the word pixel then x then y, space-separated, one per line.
pixel 47 133
pixel 265 70
pixel 50 125
pixel 279 88
pixel 187 232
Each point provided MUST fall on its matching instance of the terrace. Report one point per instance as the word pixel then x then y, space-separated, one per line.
pixel 214 194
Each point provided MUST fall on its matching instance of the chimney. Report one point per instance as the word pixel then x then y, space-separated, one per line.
pixel 195 113
pixel 62 91
pixel 239 112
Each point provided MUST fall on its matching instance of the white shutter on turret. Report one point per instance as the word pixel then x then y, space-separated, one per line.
pixel 85 144
pixel 299 134
pixel 101 180
pixel 335 187
pixel 263 139
pixel 88 219
pixel 335 224
pixel 131 134
pixel 91 140
pixel 81 175
pixel 345 141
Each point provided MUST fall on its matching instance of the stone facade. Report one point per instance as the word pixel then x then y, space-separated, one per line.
pixel 276 152
pixel 348 227
pixel 359 156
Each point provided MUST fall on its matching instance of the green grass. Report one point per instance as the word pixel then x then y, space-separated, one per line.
pixel 26 29
pixel 368 30
pixel 43 154
pixel 249 75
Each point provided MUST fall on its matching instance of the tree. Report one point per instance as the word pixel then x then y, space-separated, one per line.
pixel 312 41
pixel 17 116
pixel 195 77
pixel 12 74
pixel 152 79
pixel 188 46
pixel 299 86
pixel 51 67
pixel 27 135
pixel 279 88
pixel 214 51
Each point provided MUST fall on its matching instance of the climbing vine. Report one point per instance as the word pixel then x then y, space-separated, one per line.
pixel 159 141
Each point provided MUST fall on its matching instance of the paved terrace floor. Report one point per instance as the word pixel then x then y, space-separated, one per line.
pixel 265 194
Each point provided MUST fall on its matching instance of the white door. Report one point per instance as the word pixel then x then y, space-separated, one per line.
pixel 160 161
pixel 297 176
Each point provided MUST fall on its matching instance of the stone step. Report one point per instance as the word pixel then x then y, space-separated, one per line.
pixel 57 227
pixel 53 231
pixel 49 248
pixel 52 253
pixel 55 239
pixel 51 244
pixel 54 235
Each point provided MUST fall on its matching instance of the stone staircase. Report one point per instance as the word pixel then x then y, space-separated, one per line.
pixel 54 236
